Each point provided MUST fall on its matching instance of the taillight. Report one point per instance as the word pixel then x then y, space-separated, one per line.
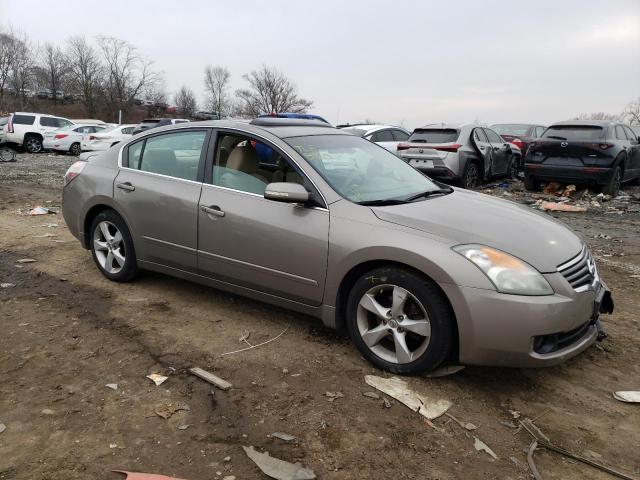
pixel 446 148
pixel 73 171
pixel 403 146
pixel 10 124
pixel 60 135
pixel 518 143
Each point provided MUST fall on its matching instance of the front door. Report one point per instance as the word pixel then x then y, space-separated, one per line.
pixel 157 190
pixel 247 240
pixel 484 147
pixel 500 152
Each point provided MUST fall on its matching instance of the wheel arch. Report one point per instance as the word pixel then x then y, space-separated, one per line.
pixel 90 215
pixel 349 279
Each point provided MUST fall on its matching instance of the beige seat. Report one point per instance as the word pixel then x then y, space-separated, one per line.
pixel 244 159
pixel 160 160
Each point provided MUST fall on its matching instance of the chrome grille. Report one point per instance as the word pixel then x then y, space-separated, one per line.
pixel 580 271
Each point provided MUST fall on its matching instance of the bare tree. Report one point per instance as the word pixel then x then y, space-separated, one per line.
pixel 7 51
pixel 127 74
pixel 216 84
pixel 85 72
pixel 631 112
pixel 53 66
pixel 597 116
pixel 270 91
pixel 185 101
pixel 22 70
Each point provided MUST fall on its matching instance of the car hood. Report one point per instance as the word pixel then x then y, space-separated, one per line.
pixel 464 217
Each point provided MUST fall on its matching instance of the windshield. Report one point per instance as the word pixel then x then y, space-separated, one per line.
pixel 512 129
pixel 574 132
pixel 434 135
pixel 359 170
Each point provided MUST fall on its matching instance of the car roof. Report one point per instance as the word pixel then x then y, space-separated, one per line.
pixel 599 123
pixel 279 127
pixel 448 126
pixel 41 114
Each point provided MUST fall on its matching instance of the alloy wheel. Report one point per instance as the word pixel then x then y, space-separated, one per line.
pixel 393 324
pixel 471 177
pixel 109 247
pixel 33 145
pixel 75 149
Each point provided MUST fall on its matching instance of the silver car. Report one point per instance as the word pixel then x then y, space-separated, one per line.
pixel 465 154
pixel 302 215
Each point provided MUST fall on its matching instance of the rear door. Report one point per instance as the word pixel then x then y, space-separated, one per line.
pixel 481 142
pixel 633 154
pixel 500 153
pixel 157 190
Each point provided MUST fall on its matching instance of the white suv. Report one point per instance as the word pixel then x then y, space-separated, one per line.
pixel 28 129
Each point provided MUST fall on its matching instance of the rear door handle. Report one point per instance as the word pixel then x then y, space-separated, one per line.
pixel 126 186
pixel 213 210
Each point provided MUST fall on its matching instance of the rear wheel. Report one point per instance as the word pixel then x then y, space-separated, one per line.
pixel 400 321
pixel 112 247
pixel 612 187
pixel 531 183
pixel 33 143
pixel 75 149
pixel 471 177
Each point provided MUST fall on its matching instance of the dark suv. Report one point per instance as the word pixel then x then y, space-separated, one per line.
pixel 586 152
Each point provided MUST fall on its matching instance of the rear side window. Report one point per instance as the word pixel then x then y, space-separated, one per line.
pixel 172 154
pixel 574 132
pixel 434 135
pixel 23 119
pixel 400 136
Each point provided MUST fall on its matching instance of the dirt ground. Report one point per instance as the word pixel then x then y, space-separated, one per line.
pixel 67 332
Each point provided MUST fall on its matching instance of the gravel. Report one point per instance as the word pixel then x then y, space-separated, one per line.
pixel 43 169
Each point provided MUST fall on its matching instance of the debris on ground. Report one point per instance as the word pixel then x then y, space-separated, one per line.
pixel 278 469
pixel 445 371
pixel 480 446
pixel 386 403
pixel 211 378
pixel 7 285
pixel 283 436
pixel 397 388
pixel 552 188
pixel 144 476
pixel 373 395
pixel 629 396
pixel 26 260
pixel 466 425
pixel 46 235
pixel 167 410
pixel 257 345
pixel 331 396
pixel 41 211
pixel 3 427
pixel 183 427
pixel 112 386
pixel 157 378
pixel 561 207
pixel 47 411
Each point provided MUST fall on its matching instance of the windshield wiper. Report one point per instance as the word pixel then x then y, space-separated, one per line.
pixel 556 137
pixel 429 193
pixel 382 203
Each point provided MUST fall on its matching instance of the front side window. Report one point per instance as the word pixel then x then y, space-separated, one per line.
pixel 63 122
pixel 127 130
pixel 620 134
pixel 630 135
pixel 249 165
pixel 479 135
pixel 49 122
pixel 171 154
pixel 539 131
pixel 493 136
pixel 382 136
pixel 361 171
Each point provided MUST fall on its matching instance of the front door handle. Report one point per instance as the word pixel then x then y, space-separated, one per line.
pixel 126 186
pixel 213 210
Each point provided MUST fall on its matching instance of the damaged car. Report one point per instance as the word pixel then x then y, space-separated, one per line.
pixel 417 272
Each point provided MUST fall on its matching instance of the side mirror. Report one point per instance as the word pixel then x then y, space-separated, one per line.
pixel 286 192
pixel 505 146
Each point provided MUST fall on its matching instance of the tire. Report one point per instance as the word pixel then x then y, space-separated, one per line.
pixel 75 149
pixel 32 143
pixel 531 184
pixel 471 177
pixel 385 339
pixel 113 254
pixel 612 187
pixel 514 166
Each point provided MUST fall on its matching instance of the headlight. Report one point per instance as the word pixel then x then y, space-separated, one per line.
pixel 509 274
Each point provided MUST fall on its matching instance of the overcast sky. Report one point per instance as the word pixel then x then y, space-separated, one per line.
pixel 400 62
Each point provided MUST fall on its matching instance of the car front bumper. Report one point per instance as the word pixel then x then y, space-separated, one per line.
pixel 525 331
pixel 568 173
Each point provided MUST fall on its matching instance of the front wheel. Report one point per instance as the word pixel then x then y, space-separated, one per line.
pixel 112 247
pixel 400 321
